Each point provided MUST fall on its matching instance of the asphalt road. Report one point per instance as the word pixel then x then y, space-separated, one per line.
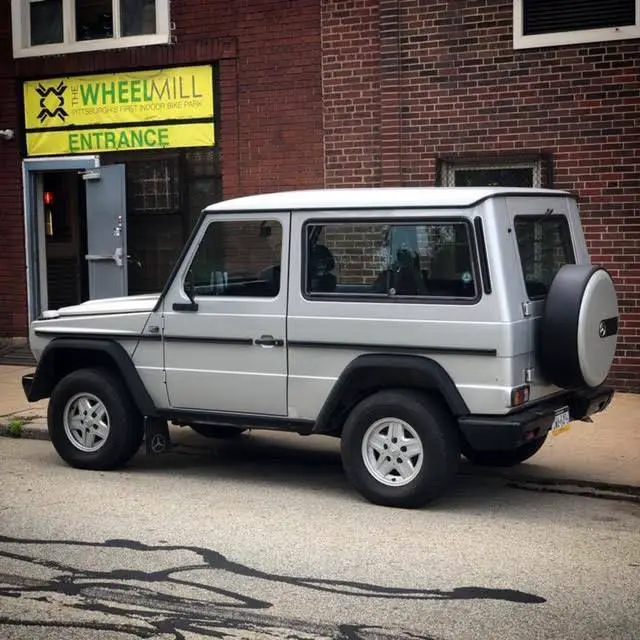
pixel 263 538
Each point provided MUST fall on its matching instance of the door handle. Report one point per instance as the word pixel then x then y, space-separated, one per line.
pixel 116 257
pixel 268 341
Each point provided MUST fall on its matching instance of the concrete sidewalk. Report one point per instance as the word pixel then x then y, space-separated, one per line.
pixel 604 455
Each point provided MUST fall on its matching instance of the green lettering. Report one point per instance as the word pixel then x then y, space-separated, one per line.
pixel 163 137
pixel 108 89
pixel 98 138
pixel 85 141
pixel 123 91
pixel 135 91
pixel 89 94
pixel 73 142
pixel 147 91
pixel 109 140
pixel 150 137
pixel 124 140
pixel 136 138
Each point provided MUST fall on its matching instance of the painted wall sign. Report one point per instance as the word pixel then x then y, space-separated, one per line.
pixel 116 112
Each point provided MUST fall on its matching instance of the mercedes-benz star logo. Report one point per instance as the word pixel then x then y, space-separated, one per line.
pixel 602 329
pixel 158 443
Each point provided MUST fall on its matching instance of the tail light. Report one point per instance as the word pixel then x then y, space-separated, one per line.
pixel 520 395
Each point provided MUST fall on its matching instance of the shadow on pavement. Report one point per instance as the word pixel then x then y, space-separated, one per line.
pixel 288 460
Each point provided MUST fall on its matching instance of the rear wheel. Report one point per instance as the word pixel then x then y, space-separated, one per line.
pixel 221 433
pixel 400 449
pixel 506 458
pixel 93 423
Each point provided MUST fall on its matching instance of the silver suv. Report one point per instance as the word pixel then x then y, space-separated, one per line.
pixel 415 324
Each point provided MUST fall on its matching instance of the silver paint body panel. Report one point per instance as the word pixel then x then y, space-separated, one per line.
pixel 188 360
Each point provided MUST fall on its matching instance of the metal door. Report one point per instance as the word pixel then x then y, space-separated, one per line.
pixel 106 231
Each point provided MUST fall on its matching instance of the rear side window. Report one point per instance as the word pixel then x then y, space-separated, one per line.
pixel 377 258
pixel 544 244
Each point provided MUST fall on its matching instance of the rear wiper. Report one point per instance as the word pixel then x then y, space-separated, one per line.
pixel 546 214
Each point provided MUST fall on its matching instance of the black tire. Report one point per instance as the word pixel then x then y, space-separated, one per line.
pixel 218 432
pixel 579 327
pixel 436 431
pixel 125 423
pixel 505 458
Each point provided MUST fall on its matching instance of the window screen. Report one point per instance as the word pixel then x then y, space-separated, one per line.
pixel 553 16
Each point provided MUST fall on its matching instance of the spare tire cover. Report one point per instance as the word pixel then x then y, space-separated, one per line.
pixel 579 327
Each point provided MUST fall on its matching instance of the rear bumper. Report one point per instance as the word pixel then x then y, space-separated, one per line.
pixel 487 433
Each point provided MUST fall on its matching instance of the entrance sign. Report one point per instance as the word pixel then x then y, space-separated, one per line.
pixel 133 138
pixel 116 112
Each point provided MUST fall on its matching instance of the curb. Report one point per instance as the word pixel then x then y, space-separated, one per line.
pixel 28 431
pixel 586 488
pixel 592 488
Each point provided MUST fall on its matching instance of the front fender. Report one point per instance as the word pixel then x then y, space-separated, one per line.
pixel 63 355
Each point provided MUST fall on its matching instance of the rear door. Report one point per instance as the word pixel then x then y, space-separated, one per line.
pixel 544 234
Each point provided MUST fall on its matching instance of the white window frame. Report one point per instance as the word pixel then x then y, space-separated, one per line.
pixel 520 41
pixel 21 31
pixel 449 169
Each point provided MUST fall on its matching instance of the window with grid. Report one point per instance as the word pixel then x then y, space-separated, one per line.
pixel 153 186
pixel 165 197
pixel 52 27
pixel 492 174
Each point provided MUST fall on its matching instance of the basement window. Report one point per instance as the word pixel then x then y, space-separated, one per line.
pixel 491 173
pixel 548 23
pixel 53 27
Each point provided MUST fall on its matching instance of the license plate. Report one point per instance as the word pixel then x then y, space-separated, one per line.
pixel 561 421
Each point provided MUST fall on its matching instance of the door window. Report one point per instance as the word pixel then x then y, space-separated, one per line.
pixel 238 258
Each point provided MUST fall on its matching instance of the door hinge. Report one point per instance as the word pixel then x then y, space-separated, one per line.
pixel 164 376
pixel 526 309
pixel 529 375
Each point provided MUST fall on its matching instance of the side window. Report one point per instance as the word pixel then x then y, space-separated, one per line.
pixel 544 244
pixel 424 259
pixel 238 258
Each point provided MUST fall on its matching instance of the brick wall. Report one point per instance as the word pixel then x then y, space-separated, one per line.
pixel 269 119
pixel 13 317
pixel 441 80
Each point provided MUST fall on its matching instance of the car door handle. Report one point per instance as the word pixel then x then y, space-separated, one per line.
pixel 268 341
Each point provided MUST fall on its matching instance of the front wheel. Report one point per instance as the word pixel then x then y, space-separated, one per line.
pixel 400 449
pixel 92 421
pixel 506 458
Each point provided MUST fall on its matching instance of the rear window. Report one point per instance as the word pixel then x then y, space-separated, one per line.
pixel 545 246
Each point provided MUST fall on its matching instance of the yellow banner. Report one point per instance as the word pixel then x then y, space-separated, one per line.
pixel 184 93
pixel 42 143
